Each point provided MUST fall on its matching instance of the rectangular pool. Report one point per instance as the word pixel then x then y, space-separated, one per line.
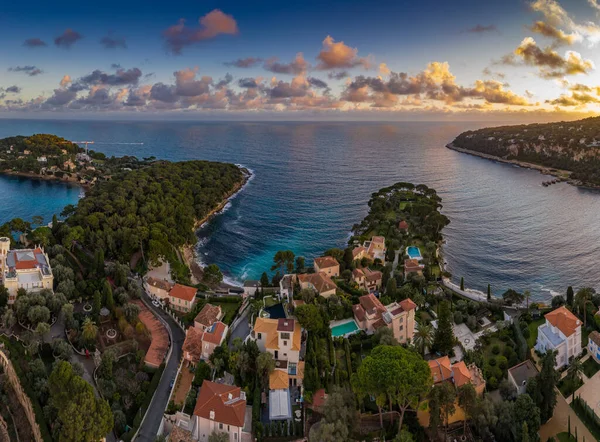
pixel 344 329
pixel 413 252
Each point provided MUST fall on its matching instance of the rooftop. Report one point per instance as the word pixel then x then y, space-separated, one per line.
pixel 183 292
pixel 326 261
pixel 554 338
pixel 564 320
pixel 524 371
pixel 221 403
pixel 208 315
pixel 159 283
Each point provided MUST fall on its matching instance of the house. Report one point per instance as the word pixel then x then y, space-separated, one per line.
pixel 220 408
pixel 251 287
pixel 459 374
pixel 594 345
pixel 412 266
pixel 69 165
pixel 367 279
pixel 319 282
pixel 376 248
pixel 359 253
pixel 403 225
pixel 182 298
pixel 327 265
pixel 286 286
pixel 520 374
pixel 159 288
pixel 283 339
pixel 27 269
pixel 562 333
pixel 370 315
pixel 42 159
pixel 200 343
pixel 208 316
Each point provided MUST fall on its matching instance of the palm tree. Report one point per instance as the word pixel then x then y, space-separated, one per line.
pixel 575 369
pixel 527 295
pixel 582 298
pixel 423 337
pixel 89 330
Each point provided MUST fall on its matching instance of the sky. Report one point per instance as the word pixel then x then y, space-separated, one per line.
pixel 530 60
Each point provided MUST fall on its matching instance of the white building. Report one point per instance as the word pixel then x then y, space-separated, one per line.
pixel 27 269
pixel 562 333
pixel 594 345
pixel 520 374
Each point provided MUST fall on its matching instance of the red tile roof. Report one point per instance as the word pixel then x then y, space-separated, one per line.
pixel 285 325
pixel 371 304
pixel 441 369
pixel 403 225
pixel 159 283
pixel 193 344
pixel 564 320
pixel 183 292
pixel 221 403
pixel 326 261
pixel 321 281
pixel 215 334
pixel 208 315
pixel 408 304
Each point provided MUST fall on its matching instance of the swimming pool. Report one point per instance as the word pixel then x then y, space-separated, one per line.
pixel 344 329
pixel 413 252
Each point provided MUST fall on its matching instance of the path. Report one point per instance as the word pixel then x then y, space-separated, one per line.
pixel 152 420
pixel 242 329
pixel 559 422
pixel 474 295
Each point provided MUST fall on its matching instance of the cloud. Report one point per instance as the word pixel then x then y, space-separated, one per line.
pixel 224 82
pixel 115 66
pixel 211 25
pixel 60 97
pixel 247 62
pixel 575 99
pixel 34 43
pixel 315 82
pixel 297 66
pixel 120 78
pixel 550 63
pixel 488 72
pixel 338 75
pixel 479 29
pixel 337 55
pixel 594 4
pixel 65 81
pixel 556 16
pixel 559 37
pixel 113 42
pixel 32 71
pixel 384 70
pixel 13 89
pixel 67 39
pixel 247 83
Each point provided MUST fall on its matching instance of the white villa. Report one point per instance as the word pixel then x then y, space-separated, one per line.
pixel 562 333
pixel 28 269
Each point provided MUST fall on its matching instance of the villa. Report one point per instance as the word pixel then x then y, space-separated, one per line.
pixel 520 374
pixel 199 343
pixel 370 315
pixel 413 266
pixel 208 316
pixel 319 282
pixel 369 280
pixel 458 374
pixel 376 248
pixel 182 298
pixel 561 333
pixel 327 265
pixel 159 288
pixel 27 269
pixel 594 345
pixel 283 339
pixel 359 253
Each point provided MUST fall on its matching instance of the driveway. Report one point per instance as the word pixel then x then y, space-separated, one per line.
pixel 558 423
pixel 154 415
pixel 242 330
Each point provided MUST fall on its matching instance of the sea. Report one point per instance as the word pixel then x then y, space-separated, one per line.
pixel 312 181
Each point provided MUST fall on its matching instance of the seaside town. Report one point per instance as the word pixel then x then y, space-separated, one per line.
pixel 369 342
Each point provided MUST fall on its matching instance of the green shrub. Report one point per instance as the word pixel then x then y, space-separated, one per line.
pixel 492 361
pixel 496 349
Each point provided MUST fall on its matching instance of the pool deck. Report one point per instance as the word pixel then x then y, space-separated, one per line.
pixel 418 256
pixel 342 322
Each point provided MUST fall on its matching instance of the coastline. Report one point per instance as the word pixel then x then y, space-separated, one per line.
pixel 189 250
pixel 35 176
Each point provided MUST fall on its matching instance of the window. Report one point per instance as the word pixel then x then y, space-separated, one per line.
pixel 235 436
pixel 220 426
pixel 285 343
pixel 260 336
pixel 285 336
pixel 401 327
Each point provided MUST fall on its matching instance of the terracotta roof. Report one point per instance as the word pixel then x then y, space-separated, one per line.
pixel 372 275
pixel 358 273
pixel 412 265
pixel 221 403
pixel 279 380
pixel 319 398
pixel 179 434
pixel 403 225
pixel 358 250
pixel 298 302
pixel 359 312
pixel 159 283
pixel 320 281
pixel 183 292
pixel 408 304
pixel 159 344
pixel 371 304
pixel 594 337
pixel 564 320
pixel 268 327
pixel 378 239
pixel 209 315
pixel 379 323
pixel 441 369
pixel 215 334
pixel 193 343
pixel 462 375
pixel 326 261
pixel 285 325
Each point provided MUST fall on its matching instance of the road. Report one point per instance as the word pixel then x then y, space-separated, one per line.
pixel 151 423
pixel 242 330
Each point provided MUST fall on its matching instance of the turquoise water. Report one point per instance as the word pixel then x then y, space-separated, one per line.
pixel 313 181
pixel 413 252
pixel 344 329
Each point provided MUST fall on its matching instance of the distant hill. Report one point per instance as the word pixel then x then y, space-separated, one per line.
pixel 573 146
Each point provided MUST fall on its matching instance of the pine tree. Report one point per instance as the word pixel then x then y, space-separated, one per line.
pixel 462 283
pixel 570 296
pixel 444 336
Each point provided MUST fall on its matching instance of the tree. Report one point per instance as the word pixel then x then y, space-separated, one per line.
pixel 525 411
pixel 3 296
pixel 265 364
pixel 513 297
pixel 339 416
pixel 81 415
pixel 201 373
pixel 527 295
pixel 131 312
pixel 546 381
pixel 467 399
pixel 390 288
pixel 97 302
pixel 384 336
pixel 582 298
pixel 444 335
pixel 108 295
pixel 218 436
pixel 212 275
pixel 9 319
pixel 61 349
pixel 264 280
pixel 300 264
pixel 89 330
pixel 525 432
pixel 489 292
pixel 284 261
pixel 570 296
pixel 310 318
pixel 574 370
pixel 442 399
pixel 423 337
pixel 462 283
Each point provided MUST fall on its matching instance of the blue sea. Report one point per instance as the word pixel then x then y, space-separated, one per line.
pixel 312 182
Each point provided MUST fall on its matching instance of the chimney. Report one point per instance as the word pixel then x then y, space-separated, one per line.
pixel 212 415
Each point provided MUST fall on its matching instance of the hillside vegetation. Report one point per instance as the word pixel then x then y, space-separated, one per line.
pixel 572 146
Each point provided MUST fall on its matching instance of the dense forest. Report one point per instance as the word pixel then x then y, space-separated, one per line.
pixel 153 209
pixel 572 146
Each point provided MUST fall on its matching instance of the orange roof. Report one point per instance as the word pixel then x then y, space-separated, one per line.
pixel 358 250
pixel 279 380
pixel 412 265
pixel 371 304
pixel 193 344
pixel 159 283
pixel 378 239
pixel 407 304
pixel 403 225
pixel 183 292
pixel 564 320
pixel 268 327
pixel 320 281
pixel 208 315
pixel 326 261
pixel 215 334
pixel 319 398
pixel 441 369
pixel 221 403
pixel 462 375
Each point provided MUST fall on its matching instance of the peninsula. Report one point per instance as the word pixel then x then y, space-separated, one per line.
pixel 568 150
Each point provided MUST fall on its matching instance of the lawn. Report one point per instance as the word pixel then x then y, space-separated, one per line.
pixel 567 387
pixel 403 205
pixel 270 301
pixel 435 270
pixel 590 367
pixel 533 331
pixel 487 352
pixel 230 309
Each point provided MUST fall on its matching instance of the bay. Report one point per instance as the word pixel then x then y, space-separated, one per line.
pixel 312 181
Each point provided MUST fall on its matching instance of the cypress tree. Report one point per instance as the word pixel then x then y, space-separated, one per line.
pixel 462 283
pixel 570 295
pixel 489 292
pixel 444 336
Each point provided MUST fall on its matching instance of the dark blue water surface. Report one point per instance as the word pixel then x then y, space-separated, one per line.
pixel 312 182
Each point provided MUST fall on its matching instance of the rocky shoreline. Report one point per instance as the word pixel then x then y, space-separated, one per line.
pixel 35 176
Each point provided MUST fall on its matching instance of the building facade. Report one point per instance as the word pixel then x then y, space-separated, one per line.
pixel 561 333
pixel 370 315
